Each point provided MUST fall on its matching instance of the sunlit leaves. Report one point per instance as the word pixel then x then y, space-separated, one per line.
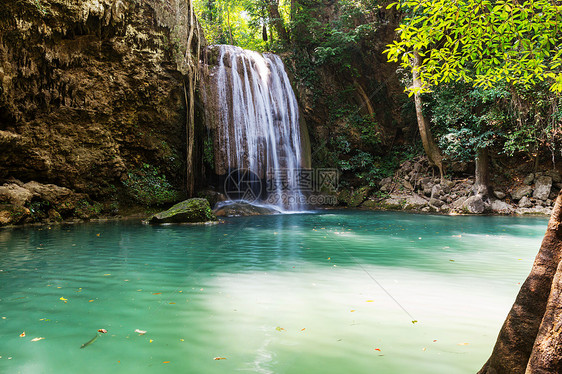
pixel 482 42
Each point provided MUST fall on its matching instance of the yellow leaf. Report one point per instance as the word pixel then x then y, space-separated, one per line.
pixel 370 301
pixel 63 299
pixel 219 358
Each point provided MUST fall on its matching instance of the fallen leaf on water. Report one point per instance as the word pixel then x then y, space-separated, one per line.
pixel 181 340
pixel 452 260
pixel 103 331
pixel 279 328
pixel 303 329
pixel 352 310
pixel 63 299
pixel 172 303
pixel 370 301
pixel 415 321
pixel 166 362
pixel 36 339
pixel 377 349
pixel 423 349
pixel 462 344
pixel 97 234
pixel 90 301
pixel 219 358
pixel 435 340
pixel 105 275
pixel 22 334
pixel 142 332
pixel 157 293
pixel 150 341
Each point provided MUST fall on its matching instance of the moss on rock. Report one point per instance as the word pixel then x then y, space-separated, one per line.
pixel 188 211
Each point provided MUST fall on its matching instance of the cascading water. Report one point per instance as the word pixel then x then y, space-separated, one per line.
pixel 257 123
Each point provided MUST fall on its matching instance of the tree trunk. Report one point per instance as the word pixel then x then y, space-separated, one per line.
pixel 264 32
pixel 482 183
pixel 547 351
pixel 228 23
pixel 277 21
pixel 529 340
pixel 429 145
pixel 189 92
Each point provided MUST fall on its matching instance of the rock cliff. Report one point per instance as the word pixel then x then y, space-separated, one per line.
pixel 94 95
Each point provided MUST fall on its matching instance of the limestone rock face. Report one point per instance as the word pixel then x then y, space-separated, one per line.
pixel 33 202
pixel 188 211
pixel 91 90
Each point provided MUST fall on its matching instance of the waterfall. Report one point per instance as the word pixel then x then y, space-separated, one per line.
pixel 257 123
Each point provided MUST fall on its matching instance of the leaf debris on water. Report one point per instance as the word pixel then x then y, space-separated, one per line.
pixel 37 339
pixel 219 358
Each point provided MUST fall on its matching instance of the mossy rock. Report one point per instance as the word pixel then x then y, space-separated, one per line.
pixel 188 211
pixel 371 204
pixel 241 209
pixel 354 198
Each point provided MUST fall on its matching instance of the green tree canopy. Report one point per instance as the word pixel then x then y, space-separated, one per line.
pixel 481 41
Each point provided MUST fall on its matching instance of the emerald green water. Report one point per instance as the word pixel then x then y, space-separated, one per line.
pixel 334 292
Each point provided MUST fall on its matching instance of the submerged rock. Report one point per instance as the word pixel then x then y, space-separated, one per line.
pixel 237 209
pixel 188 211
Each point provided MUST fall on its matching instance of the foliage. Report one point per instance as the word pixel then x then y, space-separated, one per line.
pixel 483 42
pixel 208 151
pixel 468 118
pixel 244 23
pixel 147 186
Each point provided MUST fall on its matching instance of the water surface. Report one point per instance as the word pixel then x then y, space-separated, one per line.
pixel 334 292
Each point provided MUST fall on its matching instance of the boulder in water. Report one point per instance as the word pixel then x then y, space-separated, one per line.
pixel 188 211
pixel 237 209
